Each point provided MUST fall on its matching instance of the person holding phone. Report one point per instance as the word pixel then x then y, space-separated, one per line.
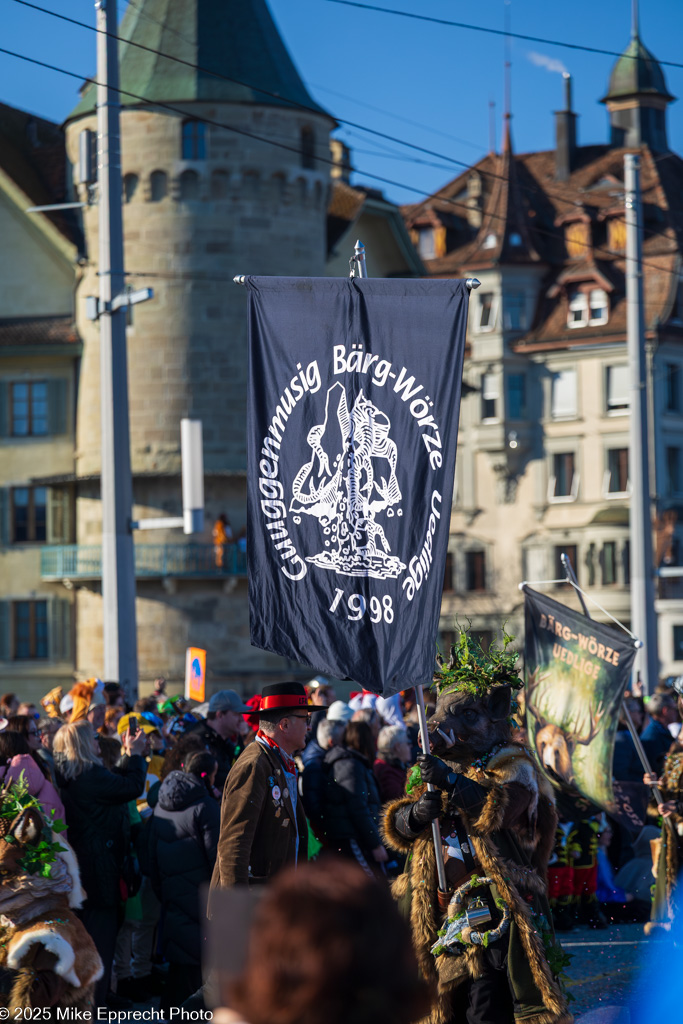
pixel 96 805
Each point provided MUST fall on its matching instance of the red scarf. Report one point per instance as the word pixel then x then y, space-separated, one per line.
pixel 288 763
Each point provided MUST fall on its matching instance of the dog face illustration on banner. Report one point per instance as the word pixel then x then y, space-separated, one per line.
pixel 353 411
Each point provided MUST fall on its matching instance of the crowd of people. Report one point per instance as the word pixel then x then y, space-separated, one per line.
pixel 161 799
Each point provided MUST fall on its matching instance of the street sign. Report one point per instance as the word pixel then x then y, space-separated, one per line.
pixel 195 674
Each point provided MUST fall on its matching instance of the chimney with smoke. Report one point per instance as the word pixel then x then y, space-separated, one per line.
pixel 565 133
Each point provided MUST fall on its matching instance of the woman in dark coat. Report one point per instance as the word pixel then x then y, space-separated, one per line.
pixel 352 806
pixel 183 845
pixel 96 805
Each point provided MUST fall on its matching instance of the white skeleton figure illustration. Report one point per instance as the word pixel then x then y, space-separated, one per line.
pixel 347 497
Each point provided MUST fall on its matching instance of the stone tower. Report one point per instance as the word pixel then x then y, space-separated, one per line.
pixel 224 172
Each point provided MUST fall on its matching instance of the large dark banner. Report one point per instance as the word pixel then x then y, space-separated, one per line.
pixel 577 670
pixel 354 397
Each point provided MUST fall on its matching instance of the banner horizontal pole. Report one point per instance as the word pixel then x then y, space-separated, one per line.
pixel 470 283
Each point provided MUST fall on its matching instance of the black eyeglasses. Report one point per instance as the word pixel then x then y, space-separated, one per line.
pixel 306 717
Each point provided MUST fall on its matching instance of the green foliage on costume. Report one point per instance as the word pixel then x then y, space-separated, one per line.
pixel 472 670
pixel 314 845
pixel 414 779
pixel 42 854
pixel 558 959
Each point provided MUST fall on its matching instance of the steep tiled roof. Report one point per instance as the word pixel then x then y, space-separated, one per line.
pixel 344 207
pixel 33 155
pixel 538 206
pixel 38 331
pixel 232 38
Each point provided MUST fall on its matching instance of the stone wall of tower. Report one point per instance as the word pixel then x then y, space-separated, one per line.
pixel 248 207
pixel 256 211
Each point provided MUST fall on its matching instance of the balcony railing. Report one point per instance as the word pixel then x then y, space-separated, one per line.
pixel 152 561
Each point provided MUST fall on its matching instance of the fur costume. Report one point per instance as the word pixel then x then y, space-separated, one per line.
pixel 522 887
pixel 52 960
pixel 667 897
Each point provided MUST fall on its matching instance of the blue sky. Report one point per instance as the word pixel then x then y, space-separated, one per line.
pixel 437 82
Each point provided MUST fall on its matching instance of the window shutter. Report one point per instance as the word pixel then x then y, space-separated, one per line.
pixel 59 515
pixel 618 387
pixel 4 408
pixel 5 650
pixel 489 387
pixel 4 515
pixel 61 618
pixel 56 405
pixel 535 563
pixel 564 394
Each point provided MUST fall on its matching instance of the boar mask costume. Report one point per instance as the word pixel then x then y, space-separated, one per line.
pixel 494 961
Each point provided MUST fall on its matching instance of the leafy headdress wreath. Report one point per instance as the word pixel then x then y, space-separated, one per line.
pixel 472 670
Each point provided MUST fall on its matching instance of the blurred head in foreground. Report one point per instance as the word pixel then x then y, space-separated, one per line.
pixel 336 950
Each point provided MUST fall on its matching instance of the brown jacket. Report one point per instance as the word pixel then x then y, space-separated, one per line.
pixel 258 831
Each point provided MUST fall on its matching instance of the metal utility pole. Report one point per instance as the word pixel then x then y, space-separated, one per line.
pixel 118 556
pixel 643 618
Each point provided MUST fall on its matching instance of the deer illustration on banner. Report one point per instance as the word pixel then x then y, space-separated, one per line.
pixel 576 672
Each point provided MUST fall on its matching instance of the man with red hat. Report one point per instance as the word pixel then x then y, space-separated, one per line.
pixel 263 823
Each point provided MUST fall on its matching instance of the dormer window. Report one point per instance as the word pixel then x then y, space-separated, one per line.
pixel 578 310
pixel 587 308
pixel 597 307
pixel 426 243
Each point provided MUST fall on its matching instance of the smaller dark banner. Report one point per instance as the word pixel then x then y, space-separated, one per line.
pixel 577 671
pixel 354 396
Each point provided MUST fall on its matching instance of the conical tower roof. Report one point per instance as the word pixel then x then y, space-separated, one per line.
pixel 233 49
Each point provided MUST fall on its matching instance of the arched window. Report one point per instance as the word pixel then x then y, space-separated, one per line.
pixel 252 181
pixel 130 184
pixel 219 185
pixel 193 140
pixel 189 185
pixel 279 186
pixel 158 186
pixel 308 148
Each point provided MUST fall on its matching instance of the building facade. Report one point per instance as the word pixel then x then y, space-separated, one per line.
pixel 39 356
pixel 227 170
pixel 543 456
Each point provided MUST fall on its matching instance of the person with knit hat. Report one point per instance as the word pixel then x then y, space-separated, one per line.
pixel 222 730
pixel 263 823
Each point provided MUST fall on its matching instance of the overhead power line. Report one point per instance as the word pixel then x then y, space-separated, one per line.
pixel 497 32
pixel 529 189
pixel 248 85
pixel 158 104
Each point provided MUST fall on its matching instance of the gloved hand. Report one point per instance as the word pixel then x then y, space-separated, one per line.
pixel 434 771
pixel 426 809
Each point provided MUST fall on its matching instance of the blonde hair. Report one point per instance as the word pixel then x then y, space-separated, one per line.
pixel 74 745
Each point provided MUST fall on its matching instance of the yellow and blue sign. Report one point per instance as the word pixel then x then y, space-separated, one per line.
pixel 195 674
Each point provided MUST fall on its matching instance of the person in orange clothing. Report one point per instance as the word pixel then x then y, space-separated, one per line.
pixel 222 535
